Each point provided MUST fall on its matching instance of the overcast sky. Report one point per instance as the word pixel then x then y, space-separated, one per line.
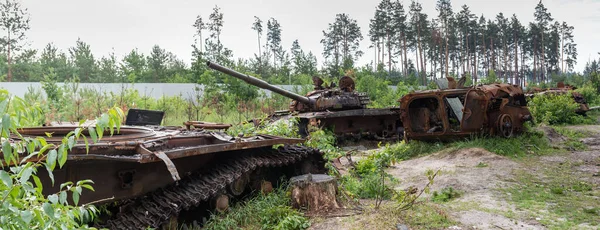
pixel 122 25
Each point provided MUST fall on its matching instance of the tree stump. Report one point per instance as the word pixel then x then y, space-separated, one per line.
pixel 314 192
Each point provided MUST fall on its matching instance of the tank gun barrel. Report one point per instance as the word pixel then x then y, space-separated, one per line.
pixel 260 83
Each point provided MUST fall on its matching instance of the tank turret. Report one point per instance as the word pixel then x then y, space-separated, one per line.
pixel 336 107
pixel 320 99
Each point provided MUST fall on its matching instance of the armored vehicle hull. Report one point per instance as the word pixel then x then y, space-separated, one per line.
pixel 454 113
pixel 340 109
pixel 560 89
pixel 148 176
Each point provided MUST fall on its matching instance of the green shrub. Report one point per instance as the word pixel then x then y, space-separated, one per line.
pixel 556 109
pixel 590 94
pixel 23 204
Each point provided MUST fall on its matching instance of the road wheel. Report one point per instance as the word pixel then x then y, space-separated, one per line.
pixel 505 126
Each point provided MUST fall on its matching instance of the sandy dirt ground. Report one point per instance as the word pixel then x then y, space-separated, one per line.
pixel 479 175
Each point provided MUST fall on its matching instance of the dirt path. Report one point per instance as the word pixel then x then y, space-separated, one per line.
pixel 476 174
pixel 480 177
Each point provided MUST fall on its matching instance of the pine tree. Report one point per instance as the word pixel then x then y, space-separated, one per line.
pixel 14 20
pixel 85 64
pixel 543 20
pixel 444 8
pixel 341 42
pixel 257 26
pixel 274 39
pixel 199 25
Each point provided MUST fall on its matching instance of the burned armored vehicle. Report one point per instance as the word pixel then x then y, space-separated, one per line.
pixel 341 108
pixel 560 89
pixel 148 175
pixel 454 112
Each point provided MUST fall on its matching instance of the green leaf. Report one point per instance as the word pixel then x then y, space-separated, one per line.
pixel 46 147
pixel 7 151
pixel 87 146
pixel 76 198
pixel 26 216
pixel 31 147
pixel 53 198
pixel 100 130
pixel 62 197
pixel 78 132
pixel 78 189
pixel 26 174
pixel 93 134
pixel 6 178
pixel 6 123
pixel 62 157
pixel 50 174
pixel 81 122
pixel 38 184
pixel 48 134
pixel 42 141
pixel 65 184
pixel 88 187
pixel 71 142
pixel 48 209
pixel 3 106
pixel 51 160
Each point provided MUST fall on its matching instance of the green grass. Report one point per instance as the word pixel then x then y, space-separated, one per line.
pixel 272 211
pixel 561 193
pixel 444 195
pixel 427 215
pixel 531 142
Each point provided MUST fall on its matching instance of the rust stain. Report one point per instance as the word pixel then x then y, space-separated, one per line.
pixel 458 112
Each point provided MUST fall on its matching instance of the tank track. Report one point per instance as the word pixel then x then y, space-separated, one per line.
pixel 156 208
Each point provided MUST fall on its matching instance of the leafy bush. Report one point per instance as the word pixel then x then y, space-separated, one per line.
pixel 590 94
pixel 556 109
pixel 23 205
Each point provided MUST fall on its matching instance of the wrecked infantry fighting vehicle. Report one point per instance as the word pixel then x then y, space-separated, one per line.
pixel 454 111
pixel 341 109
pixel 148 175
pixel 562 88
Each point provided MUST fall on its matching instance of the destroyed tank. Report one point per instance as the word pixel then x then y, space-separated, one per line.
pixel 453 111
pixel 562 88
pixel 150 175
pixel 341 109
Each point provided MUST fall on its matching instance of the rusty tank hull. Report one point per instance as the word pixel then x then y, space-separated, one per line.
pixel 147 176
pixel 560 89
pixel 455 113
pixel 338 108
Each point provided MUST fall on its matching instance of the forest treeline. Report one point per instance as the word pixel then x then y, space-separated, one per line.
pixel 408 46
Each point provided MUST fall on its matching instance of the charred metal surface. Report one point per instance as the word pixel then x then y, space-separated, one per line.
pixel 149 175
pixel 560 89
pixel 456 111
pixel 155 208
pixel 206 125
pixel 341 109
pixel 139 159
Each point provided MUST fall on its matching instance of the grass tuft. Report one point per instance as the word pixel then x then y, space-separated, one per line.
pixel 271 211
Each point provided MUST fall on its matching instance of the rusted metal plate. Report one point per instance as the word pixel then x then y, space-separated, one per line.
pixel 452 113
pixel 139 144
pixel 474 111
pixel 206 125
